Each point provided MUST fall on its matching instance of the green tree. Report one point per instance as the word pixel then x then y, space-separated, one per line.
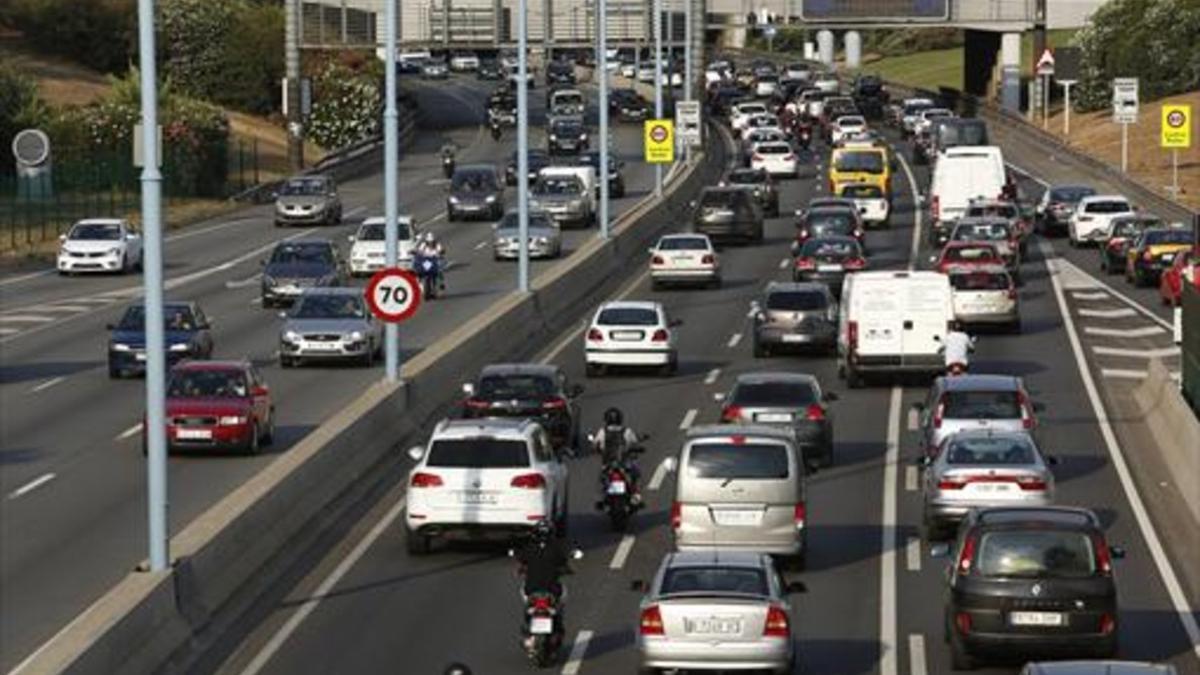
pixel 20 107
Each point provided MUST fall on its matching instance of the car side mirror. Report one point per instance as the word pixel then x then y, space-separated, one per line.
pixel 675 323
pixel 922 460
pixel 576 554
pixel 1051 460
pixel 638 585
pixel 940 550
pixel 283 315
pixel 795 587
pixel 1117 552
pixel 416 452
pixel 468 389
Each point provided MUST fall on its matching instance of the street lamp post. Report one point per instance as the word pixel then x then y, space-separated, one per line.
pixel 658 93
pixel 391 185
pixel 522 148
pixel 602 66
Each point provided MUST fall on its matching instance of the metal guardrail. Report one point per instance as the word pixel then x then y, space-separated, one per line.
pixel 1190 349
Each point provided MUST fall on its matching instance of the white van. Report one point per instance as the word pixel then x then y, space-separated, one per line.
pixel 893 322
pixel 960 175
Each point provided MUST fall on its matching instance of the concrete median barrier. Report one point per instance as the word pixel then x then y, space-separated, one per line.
pixel 1175 429
pixel 225 558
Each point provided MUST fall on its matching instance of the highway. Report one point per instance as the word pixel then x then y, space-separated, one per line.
pixel 874 599
pixel 72 476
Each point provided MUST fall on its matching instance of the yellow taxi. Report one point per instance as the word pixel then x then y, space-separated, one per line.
pixel 1154 251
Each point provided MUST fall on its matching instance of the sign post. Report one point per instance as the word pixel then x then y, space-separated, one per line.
pixel 687 122
pixel 1125 111
pixel 1067 64
pixel 1176 134
pixel 659 141
pixel 1045 70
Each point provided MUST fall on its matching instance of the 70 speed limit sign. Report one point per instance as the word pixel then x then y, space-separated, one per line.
pixel 393 295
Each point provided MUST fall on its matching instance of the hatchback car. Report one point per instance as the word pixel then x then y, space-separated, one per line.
pixel 1008 210
pixel 630 333
pixel 844 125
pixel 794 315
pixel 545 237
pixel 219 405
pixel 827 260
pixel 872 202
pixel 616 182
pixel 330 324
pixel 475 191
pixel 967 254
pixel 776 158
pixel 728 213
pixel 1173 279
pixel 99 245
pixel 794 401
pixel 296 265
pixel 1057 204
pixel 828 221
pixel 308 200
pixel 985 296
pixel 368 247
pixel 716 610
pixel 976 469
pixel 684 259
pixel 1153 251
pixel 188 336
pixel 1030 581
pixel 527 390
pixel 565 136
pixel 974 402
pixel 999 232
pixel 1122 231
pixel 763 186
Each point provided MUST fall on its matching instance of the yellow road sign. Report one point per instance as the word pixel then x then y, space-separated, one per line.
pixel 659 141
pixel 1177 126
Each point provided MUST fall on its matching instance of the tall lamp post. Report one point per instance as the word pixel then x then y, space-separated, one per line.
pixel 602 67
pixel 658 93
pixel 391 188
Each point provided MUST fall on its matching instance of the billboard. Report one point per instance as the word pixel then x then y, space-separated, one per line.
pixel 875 10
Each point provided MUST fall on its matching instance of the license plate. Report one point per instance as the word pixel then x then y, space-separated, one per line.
pixel 716 625
pixel 617 487
pixel 737 518
pixel 1037 618
pixel 681 258
pixel 829 268
pixel 541 625
pixel 773 417
pixel 476 498
pixel 992 488
pixel 794 338
pixel 193 434
pixel 627 335
pixel 320 347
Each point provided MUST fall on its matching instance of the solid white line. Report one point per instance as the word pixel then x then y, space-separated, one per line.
pixel 130 431
pixel 734 340
pixel 915 249
pixel 26 277
pixel 1121 373
pixel 688 418
pixel 1170 581
pixel 242 283
pixel 24 318
pixel 31 485
pixel 1163 353
pixel 1144 331
pixel 9 331
pixel 47 384
pixel 1089 295
pixel 912 551
pixel 1107 313
pixel 578 650
pixel 310 604
pixel 660 474
pixel 712 376
pixel 1028 174
pixel 887 555
pixel 195 233
pixel 62 308
pixel 256 301
pixel 623 549
pixel 910 479
pixel 916 654
pixel 480 245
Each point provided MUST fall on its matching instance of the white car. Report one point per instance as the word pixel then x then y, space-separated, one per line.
pixel 740 116
pixel 464 62
pixel 765 87
pixel 1089 222
pixel 776 158
pixel 763 121
pixel 100 245
pixel 925 119
pixel 871 202
pixel 712 76
pixel 799 71
pixel 684 259
pixel 367 245
pixel 628 69
pixel 985 295
pixel 828 83
pixel 630 333
pixel 645 72
pixel 846 125
pixel 486 476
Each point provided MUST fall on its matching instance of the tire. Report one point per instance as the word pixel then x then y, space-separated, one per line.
pixel 1015 327
pixel 114 373
pixel 269 436
pixel 592 370
pixel 760 350
pixel 125 267
pixel 853 379
pixel 960 658
pixel 416 544
pixel 252 446
pixel 368 359
pixel 287 362
pixel 656 285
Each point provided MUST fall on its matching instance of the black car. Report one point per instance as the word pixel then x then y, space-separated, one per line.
pixel 489 70
pixel 1027 581
pixel 475 191
pixel 565 136
pixel 763 186
pixel 187 335
pixel 537 160
pixel 826 221
pixel 529 390
pixel 616 182
pixel 870 96
pixel 628 105
pixel 828 259
pixel 560 72
pixel 1122 231
pixel 725 213
pixel 296 265
pixel 1057 204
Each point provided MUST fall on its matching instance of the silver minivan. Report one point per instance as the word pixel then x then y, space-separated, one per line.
pixel 740 487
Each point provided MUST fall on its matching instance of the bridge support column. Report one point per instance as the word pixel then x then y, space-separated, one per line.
pixel 980 51
pixel 1010 72
pixel 825 47
pixel 852 41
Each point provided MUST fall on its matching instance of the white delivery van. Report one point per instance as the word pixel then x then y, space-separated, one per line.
pixel 960 175
pixel 893 322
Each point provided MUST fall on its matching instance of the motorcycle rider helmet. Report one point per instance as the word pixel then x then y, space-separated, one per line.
pixel 457 669
pixel 613 417
pixel 428 238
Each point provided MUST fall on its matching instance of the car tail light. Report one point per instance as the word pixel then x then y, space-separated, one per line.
pixel 660 335
pixel 858 234
pixel 1027 420
pixel 541 604
pixel 657 260
pixel 789 157
pixel 1108 623
pixel 815 413
pixel 731 413
pixel 425 480
pixel 935 207
pixel 852 336
pixel 805 263
pixel 962 621
pixel 1103 555
pixel 554 404
pixel 804 234
pixel 855 263
pixel 529 481
pixel 1012 294
pixel 938 414
pixel 594 335
pixel 476 404
pixel 777 623
pixel 676 515
pixel 1031 483
pixel 965 558
pixel 800 515
pixel 708 259
pixel 651 622
pixel 951 484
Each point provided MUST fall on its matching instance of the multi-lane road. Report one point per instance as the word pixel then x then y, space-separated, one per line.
pixel 874 599
pixel 72 476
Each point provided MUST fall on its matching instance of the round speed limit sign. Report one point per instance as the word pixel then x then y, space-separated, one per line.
pixel 393 294
pixel 658 134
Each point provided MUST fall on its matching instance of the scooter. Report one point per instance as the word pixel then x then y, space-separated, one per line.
pixel 448 165
pixel 543 629
pixel 429 273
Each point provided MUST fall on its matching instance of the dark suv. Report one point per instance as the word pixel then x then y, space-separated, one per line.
pixel 728 213
pixel 475 191
pixel 1028 581
pixel 530 390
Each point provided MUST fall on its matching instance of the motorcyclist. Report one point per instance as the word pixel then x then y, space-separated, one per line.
pixel 544 560
pixel 615 443
pixel 956 347
pixel 429 247
pixel 448 152
pixel 497 130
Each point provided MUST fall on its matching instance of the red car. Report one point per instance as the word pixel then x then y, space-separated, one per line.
pixel 218 405
pixel 967 254
pixel 1170 283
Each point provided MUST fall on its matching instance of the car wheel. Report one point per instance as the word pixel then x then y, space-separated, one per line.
pixel 252 446
pixel 1015 327
pixel 960 658
pixel 286 362
pixel 269 433
pixel 124 269
pixel 760 350
pixel 715 283
pixel 854 380
pixel 417 543
pixel 140 265
pixel 113 372
pixel 368 358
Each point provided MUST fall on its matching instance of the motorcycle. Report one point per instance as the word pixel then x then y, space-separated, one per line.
pixel 543 629
pixel 429 273
pixel 448 165
pixel 617 487
pixel 804 136
pixel 497 132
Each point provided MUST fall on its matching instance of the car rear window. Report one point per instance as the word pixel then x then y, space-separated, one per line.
pixel 862 192
pixel 479 453
pixel 1070 195
pixel 375 231
pixel 990 450
pixel 690 579
pixel 1036 554
pixel 970 253
pixel 773 149
pixel 841 221
pixel 516 386
pixel 719 199
pixel 980 281
pixel 683 244
pixel 774 394
pixel 1001 210
pixel 862 161
pixel 745 461
pixel 963 133
pixel 796 301
pixel 207 383
pixel 814 248
pixel 981 405
pixel 1107 207
pixel 988 232
pixel 627 316
pixel 1158 237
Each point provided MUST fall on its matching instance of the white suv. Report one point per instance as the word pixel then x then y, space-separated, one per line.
pixel 1090 221
pixel 484 477
pixel 367 249
pixel 100 245
pixel 630 334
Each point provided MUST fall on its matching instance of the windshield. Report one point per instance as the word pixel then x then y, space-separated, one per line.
pixel 1000 210
pixel 174 319
pixel 1161 237
pixel 745 461
pixel 719 199
pixel 1131 227
pixel 627 316
pixel 862 192
pixel 863 161
pixel 725 579
pixel 985 232
pixel 330 306
pixel 473 181
pixel 374 231
pixel 537 219
pixel 207 383
pixel 963 134
pixel 96 232
pixel 990 450
pixel 981 405
pixel 917 106
pixel 303 186
pixel 980 281
pixel 1070 195
pixel 683 244
pixel 796 301
pixel 844 122
pixel 1036 554
pixel 774 394
pixel 559 185
pixel 478 453
pixel 516 386
pixel 303 253
pixel 831 221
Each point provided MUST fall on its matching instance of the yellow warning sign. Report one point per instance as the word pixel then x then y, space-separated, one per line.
pixel 660 141
pixel 1177 126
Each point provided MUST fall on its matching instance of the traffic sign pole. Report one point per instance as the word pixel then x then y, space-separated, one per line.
pixel 602 61
pixel 1067 107
pixel 391 205
pixel 522 149
pixel 658 94
pixel 1124 147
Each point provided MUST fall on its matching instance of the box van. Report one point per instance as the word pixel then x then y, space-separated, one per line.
pixel 893 322
pixel 960 175
pixel 740 487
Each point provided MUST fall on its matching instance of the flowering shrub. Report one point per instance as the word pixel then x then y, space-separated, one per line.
pixel 347 106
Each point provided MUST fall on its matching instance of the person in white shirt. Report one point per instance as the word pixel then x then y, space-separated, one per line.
pixel 957 347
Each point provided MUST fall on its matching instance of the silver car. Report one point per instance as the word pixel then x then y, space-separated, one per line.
pixel 545 237
pixel 971 402
pixel 979 469
pixel 330 324
pixel 794 315
pixel 717 610
pixel 308 200
pixel 791 400
pixel 985 296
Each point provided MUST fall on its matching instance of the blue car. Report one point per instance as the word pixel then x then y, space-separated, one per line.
pixel 188 336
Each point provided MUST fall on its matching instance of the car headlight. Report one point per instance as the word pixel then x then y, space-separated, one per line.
pixel 118 347
pixel 541 241
pixel 491 199
pixel 180 347
pixel 453 199
pixel 553 138
pixel 116 250
pixel 583 137
pixel 231 420
pixel 280 207
pixel 356 336
pixel 291 336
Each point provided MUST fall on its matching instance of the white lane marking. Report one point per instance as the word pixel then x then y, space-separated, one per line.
pixel 734 340
pixel 1144 331
pixel 1134 304
pixel 47 384
pixel 915 249
pixel 688 418
pixel 432 220
pixel 27 277
pixel 62 308
pixel 1089 295
pixel 887 556
pixel 712 376
pixel 354 212
pixel 910 478
pixel 195 233
pixel 912 551
pixel 622 552
pixel 1125 374
pixel 31 485
pixel 914 419
pixel 578 650
pixel 916 654
pixel 660 474
pixel 480 245
pixel 1163 353
pixel 130 431
pixel 24 318
pixel 1028 174
pixel 310 604
pixel 783 264
pixel 1165 571
pixel 1107 313
pixel 98 300
pixel 242 283
pixel 9 331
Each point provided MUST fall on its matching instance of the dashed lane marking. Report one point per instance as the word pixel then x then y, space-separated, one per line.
pixel 916 654
pixel 1144 331
pixel 31 485
pixel 712 376
pixel 1125 374
pixel 660 474
pixel 734 340
pixel 24 318
pixel 47 384
pixel 9 331
pixel 910 479
pixel 783 264
pixel 912 551
pixel 1107 313
pixel 62 308
pixel 622 552
pixel 688 418
pixel 1090 295
pixel 578 651
pixel 1163 353
pixel 131 431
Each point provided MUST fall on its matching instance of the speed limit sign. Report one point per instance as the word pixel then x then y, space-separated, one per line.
pixel 393 294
